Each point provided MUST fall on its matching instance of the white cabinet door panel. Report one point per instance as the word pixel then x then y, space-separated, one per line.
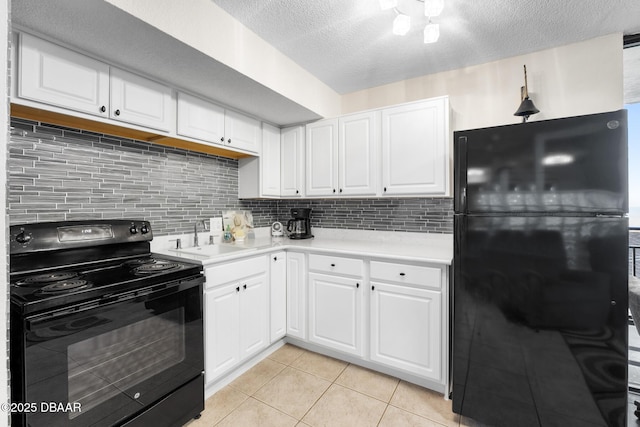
pixel 322 158
pixel 200 119
pixel 358 154
pixel 292 162
pixel 406 329
pixel 335 312
pixel 137 100
pixel 278 289
pixel 222 331
pixel 270 167
pixel 296 295
pixel 415 148
pixel 254 316
pixel 242 132
pixel 54 75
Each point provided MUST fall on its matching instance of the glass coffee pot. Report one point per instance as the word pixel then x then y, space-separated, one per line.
pixel 299 226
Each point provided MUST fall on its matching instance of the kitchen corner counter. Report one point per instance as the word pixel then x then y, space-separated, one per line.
pixel 410 247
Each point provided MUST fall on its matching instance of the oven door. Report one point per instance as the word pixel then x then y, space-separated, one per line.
pixel 103 362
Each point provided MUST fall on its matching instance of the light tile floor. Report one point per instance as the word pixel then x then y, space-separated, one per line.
pixel 296 387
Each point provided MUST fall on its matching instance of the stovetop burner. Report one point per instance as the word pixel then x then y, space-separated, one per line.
pixel 140 261
pixel 64 286
pixel 42 279
pixel 156 267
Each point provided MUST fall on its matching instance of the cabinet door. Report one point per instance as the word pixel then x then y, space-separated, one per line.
pixel 357 155
pixel 322 158
pixel 296 295
pixel 222 331
pixel 278 289
pixel 242 132
pixel 335 312
pixel 254 315
pixel 292 164
pixel 54 75
pixel 140 101
pixel 200 119
pixel 406 326
pixel 415 142
pixel 270 161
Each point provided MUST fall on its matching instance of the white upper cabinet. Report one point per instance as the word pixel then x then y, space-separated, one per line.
pixel 357 154
pixel 140 101
pixel 415 148
pixel 292 163
pixel 54 78
pixel 322 158
pixel 241 132
pixel 209 122
pixel 54 75
pixel 342 156
pixel 270 161
pixel 62 78
pixel 200 119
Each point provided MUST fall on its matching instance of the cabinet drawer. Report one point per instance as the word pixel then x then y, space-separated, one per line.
pixel 235 270
pixel 336 265
pixel 406 273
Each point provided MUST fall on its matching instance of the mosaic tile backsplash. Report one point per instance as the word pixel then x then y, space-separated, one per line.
pixel 60 174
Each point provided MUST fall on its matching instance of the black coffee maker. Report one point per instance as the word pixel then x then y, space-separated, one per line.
pixel 299 227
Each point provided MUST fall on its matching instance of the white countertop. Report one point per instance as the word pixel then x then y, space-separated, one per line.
pixel 401 246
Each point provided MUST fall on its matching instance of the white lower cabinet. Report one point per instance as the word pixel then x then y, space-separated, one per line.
pixel 385 313
pixel 236 314
pixel 296 295
pixel 336 312
pixel 222 329
pixel 406 317
pixel 278 287
pixel 405 328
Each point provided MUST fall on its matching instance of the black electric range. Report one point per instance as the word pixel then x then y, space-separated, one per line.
pixel 101 324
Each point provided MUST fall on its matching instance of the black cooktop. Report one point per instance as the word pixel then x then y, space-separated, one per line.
pixel 53 288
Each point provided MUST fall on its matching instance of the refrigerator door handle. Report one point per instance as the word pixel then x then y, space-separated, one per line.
pixel 460 175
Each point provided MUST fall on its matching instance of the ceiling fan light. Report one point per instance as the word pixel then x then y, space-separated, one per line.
pixel 433 7
pixel 401 25
pixel 388 4
pixel 431 33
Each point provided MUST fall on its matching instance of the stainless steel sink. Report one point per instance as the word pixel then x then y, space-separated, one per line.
pixel 212 250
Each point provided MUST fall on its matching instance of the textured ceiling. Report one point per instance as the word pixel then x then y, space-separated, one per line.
pixel 106 32
pixel 348 44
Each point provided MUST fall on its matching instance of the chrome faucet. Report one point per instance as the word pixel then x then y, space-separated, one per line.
pixel 205 227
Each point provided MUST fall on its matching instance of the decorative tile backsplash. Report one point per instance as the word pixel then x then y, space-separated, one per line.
pixel 59 174
pixel 432 215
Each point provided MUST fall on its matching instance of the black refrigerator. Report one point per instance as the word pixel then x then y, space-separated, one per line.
pixel 540 273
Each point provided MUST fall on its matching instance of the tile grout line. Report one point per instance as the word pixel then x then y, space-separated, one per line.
pixel 234 409
pixel 324 392
pixel 332 382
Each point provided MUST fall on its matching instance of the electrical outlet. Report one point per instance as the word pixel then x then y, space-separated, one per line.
pixel 216 226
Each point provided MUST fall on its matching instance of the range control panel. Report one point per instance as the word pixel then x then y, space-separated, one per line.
pixel 43 236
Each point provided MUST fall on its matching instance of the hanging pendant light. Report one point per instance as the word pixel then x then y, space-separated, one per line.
pixel 431 32
pixel 401 24
pixel 433 7
pixel 526 106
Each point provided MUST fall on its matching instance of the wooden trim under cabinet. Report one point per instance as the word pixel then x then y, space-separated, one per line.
pixel 40 115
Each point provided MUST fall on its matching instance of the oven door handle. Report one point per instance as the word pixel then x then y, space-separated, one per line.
pixel 149 292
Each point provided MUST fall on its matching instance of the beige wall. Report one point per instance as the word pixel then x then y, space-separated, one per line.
pixel 576 79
